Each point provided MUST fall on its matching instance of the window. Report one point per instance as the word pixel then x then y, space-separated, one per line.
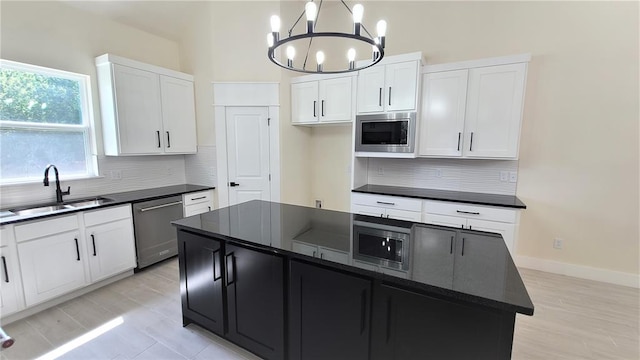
pixel 45 118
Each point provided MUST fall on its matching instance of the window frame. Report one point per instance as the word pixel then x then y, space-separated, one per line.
pixel 87 128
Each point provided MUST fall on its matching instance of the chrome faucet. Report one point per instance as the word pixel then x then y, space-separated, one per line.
pixel 59 193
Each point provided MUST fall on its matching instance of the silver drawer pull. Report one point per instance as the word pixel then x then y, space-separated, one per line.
pixel 198 198
pixel 160 206
pixel 467 212
pixel 385 203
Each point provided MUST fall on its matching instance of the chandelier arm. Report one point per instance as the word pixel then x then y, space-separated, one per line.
pixel 296 23
pixel 351 12
pixel 304 65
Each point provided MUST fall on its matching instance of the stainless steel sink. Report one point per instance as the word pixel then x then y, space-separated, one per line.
pixel 88 202
pixel 40 210
pixel 52 208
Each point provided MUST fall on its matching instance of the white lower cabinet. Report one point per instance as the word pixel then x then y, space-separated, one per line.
pixel 62 254
pixel 197 202
pixel 481 218
pixel 51 265
pixel 110 244
pixel 10 281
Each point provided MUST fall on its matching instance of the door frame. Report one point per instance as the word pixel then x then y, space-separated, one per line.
pixel 246 94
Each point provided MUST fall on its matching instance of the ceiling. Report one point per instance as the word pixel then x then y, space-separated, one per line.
pixel 167 19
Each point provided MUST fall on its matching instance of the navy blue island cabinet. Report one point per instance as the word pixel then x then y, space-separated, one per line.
pixel 291 282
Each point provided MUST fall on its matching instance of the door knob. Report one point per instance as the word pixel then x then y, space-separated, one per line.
pixel 232 184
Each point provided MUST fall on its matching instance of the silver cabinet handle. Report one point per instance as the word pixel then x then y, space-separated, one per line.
pixel 160 206
pixel 385 203
pixel 467 212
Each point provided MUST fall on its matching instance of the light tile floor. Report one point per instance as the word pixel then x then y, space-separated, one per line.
pixel 574 319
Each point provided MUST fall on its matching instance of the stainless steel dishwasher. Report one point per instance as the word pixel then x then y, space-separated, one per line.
pixel 156 239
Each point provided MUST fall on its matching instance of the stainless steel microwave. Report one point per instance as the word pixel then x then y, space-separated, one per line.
pixel 389 133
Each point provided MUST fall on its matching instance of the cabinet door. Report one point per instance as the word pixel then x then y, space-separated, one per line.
pixel 368 210
pixel 335 99
pixel 480 262
pixel 201 280
pixel 433 255
pixel 255 299
pixel 138 110
pixel 371 90
pixel 401 86
pixel 494 111
pixel 444 97
pixel 443 220
pixel 10 283
pixel 408 326
pixel 404 215
pixel 506 230
pixel 110 249
pixel 197 209
pixel 304 102
pixel 51 266
pixel 329 314
pixel 178 115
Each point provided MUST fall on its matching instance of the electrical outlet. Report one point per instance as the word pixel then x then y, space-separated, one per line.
pixel 504 176
pixel 169 171
pixel 380 170
pixel 116 174
pixel 513 176
pixel 438 173
pixel 319 204
pixel 557 243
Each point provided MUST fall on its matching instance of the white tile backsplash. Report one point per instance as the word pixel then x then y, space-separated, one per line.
pixel 201 167
pixel 444 174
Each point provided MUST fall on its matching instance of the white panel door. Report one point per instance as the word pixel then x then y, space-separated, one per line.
pixel 494 111
pixel 444 97
pixel 401 82
pixel 335 99
pixel 178 115
pixel 110 249
pixel 304 102
pixel 371 90
pixel 51 266
pixel 248 154
pixel 10 283
pixel 139 115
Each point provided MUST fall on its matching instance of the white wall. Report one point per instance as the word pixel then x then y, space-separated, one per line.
pixel 53 34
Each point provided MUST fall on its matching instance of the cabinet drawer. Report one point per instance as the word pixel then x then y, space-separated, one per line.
pixel 42 228
pixel 102 216
pixel 197 209
pixel 470 211
pixel 197 198
pixel 389 202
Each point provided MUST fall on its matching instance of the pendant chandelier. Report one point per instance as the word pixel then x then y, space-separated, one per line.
pixel 312 13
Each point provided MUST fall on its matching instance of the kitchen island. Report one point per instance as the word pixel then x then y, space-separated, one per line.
pixel 291 282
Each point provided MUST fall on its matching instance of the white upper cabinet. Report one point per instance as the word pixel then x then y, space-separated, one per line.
pixel 474 112
pixel 317 100
pixel 494 111
pixel 146 110
pixel 391 85
pixel 444 97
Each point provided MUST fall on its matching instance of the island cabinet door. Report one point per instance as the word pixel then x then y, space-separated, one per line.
pixel 201 280
pixel 255 300
pixel 329 314
pixel 407 325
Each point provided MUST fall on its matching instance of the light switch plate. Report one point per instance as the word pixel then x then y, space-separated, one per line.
pixel 513 176
pixel 504 176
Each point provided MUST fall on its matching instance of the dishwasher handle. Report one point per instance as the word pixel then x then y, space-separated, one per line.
pixel 161 206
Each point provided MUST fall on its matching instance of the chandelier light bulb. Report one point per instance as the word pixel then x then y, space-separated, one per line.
pixel 382 28
pixel 275 23
pixel 320 57
pixel 270 39
pixel 311 10
pixel 351 54
pixel 358 11
pixel 291 52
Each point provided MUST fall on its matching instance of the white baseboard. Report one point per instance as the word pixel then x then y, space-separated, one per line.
pixel 580 271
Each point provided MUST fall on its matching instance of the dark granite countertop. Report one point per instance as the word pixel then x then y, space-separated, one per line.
pixel 483 272
pixel 444 195
pixel 117 199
